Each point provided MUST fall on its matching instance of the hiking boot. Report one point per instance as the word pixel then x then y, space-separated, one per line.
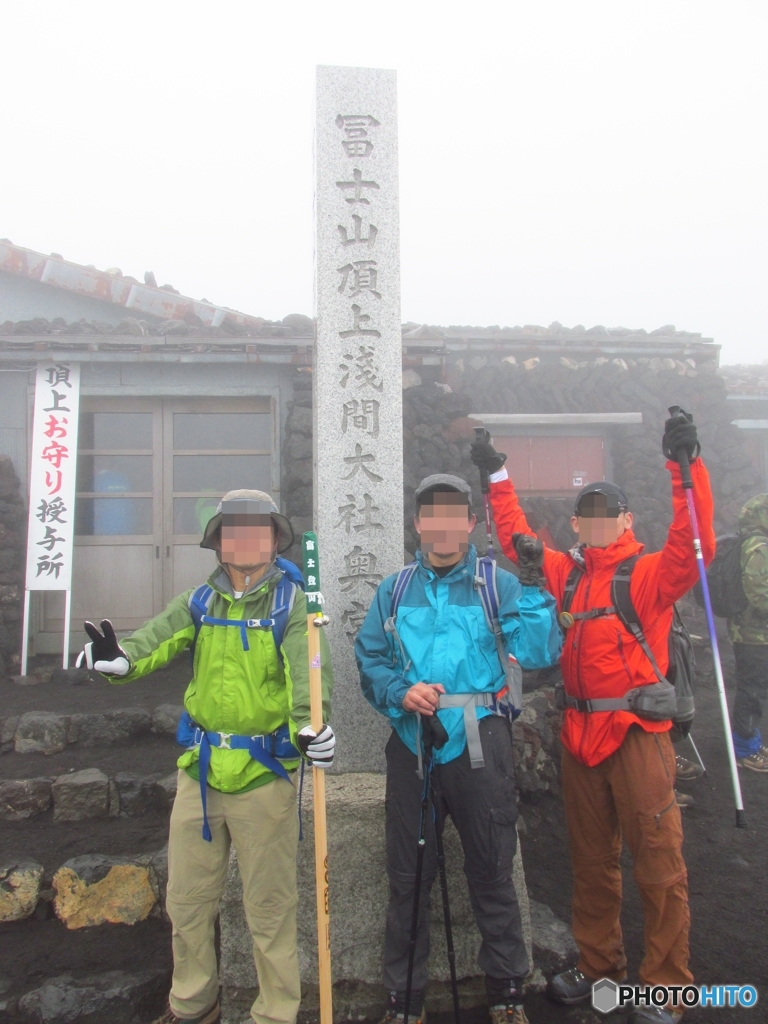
pixel 687 770
pixel 684 799
pixel 395 1011
pixel 570 987
pixel 212 1016
pixel 755 762
pixel 505 1000
pixel 654 1015
pixel 507 1014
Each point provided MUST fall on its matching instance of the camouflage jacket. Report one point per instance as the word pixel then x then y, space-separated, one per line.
pixel 751 626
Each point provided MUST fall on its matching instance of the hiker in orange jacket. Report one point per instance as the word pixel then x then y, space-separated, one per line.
pixel 618 769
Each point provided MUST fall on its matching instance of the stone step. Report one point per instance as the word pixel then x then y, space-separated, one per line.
pixel 50 732
pixel 147 755
pixel 88 793
pixel 49 974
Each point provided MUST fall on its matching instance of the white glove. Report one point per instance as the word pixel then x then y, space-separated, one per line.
pixel 118 667
pixel 103 653
pixel 318 747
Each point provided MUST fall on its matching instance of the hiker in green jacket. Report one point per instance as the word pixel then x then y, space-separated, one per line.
pixel 749 633
pixel 247 712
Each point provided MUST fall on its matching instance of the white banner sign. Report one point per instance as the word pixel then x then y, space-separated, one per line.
pixel 52 477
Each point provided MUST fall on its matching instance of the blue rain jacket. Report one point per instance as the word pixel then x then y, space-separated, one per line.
pixel 444 631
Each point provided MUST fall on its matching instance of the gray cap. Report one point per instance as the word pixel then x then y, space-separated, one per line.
pixel 443 482
pixel 245 502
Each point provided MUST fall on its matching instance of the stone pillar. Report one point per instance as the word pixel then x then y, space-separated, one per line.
pixel 358 433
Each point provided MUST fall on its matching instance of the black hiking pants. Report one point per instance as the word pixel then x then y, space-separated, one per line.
pixel 481 803
pixel 751 687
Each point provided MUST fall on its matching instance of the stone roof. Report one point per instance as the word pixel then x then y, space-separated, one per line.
pixel 555 332
pixel 746 378
pixel 295 325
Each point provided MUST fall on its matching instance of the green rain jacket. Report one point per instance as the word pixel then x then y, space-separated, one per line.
pixel 241 692
pixel 751 626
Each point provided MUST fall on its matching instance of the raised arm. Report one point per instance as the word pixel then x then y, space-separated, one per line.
pixel 665 576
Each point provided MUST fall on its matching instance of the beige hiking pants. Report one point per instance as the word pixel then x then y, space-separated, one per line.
pixel 263 825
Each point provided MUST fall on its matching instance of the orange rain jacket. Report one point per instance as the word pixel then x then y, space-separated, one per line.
pixel 600 656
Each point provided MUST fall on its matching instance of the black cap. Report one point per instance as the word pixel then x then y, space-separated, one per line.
pixel 615 500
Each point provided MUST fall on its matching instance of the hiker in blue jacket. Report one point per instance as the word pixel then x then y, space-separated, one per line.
pixel 428 647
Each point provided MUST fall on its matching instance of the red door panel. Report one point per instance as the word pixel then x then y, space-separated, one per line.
pixel 552 464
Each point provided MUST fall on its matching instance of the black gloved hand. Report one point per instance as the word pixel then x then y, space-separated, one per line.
pixel 485 456
pixel 530 559
pixel 434 732
pixel 104 653
pixel 680 435
pixel 318 747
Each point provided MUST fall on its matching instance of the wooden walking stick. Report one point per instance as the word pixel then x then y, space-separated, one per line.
pixel 316 619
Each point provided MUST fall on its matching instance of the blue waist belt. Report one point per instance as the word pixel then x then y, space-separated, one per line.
pixel 267 749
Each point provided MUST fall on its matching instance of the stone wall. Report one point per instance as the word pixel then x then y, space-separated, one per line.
pixel 437 432
pixel 13 540
pixel 649 385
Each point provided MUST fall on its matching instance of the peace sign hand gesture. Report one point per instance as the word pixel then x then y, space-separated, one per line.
pixel 104 653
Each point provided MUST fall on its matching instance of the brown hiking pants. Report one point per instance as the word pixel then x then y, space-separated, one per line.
pixel 630 794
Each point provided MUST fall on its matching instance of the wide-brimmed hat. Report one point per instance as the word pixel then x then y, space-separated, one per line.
pixel 245 502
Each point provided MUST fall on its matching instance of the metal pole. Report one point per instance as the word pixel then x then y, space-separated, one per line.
pixel 483 435
pixel 422 842
pixel 25 633
pixel 439 823
pixel 698 755
pixel 67 626
pixel 685 473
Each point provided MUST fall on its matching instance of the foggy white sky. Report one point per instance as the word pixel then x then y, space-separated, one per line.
pixel 584 162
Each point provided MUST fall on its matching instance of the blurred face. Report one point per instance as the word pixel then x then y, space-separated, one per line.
pixel 445 525
pixel 248 541
pixel 600 521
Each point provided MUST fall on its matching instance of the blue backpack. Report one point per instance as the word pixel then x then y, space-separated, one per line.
pixel 282 603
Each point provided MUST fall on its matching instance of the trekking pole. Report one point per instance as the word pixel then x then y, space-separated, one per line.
pixel 685 473
pixel 315 619
pixel 482 434
pixel 422 842
pixel 698 755
pixel 439 822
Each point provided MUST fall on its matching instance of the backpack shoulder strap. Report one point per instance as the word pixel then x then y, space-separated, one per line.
pixel 198 603
pixel 282 604
pixel 487 588
pixel 627 613
pixel 570 586
pixel 404 577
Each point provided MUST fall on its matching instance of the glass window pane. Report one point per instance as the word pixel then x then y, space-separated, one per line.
pixel 109 517
pixel 114 474
pixel 198 431
pixel 220 473
pixel 115 430
pixel 190 515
